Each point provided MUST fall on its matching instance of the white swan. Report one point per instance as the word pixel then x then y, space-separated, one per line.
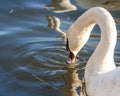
pixel 102 77
pixel 59 6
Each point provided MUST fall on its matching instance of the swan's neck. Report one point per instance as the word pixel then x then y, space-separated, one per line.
pixel 101 60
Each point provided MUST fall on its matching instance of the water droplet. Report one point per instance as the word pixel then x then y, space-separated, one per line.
pixel 11 11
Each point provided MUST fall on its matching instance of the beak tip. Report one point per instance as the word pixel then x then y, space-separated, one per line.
pixel 68 61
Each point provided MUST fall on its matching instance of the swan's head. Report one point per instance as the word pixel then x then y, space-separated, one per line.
pixel 75 41
pixel 76 38
pixel 73 46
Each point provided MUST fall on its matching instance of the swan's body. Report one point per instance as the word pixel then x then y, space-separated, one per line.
pixel 102 77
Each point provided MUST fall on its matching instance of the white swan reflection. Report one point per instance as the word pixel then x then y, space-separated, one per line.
pixel 54 23
pixel 72 83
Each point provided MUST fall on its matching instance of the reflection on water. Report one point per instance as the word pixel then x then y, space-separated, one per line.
pixel 54 23
pixel 32 52
pixel 73 84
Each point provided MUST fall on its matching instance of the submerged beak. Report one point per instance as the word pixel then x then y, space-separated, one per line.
pixel 71 57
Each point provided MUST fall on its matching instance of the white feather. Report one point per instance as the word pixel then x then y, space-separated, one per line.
pixel 102 77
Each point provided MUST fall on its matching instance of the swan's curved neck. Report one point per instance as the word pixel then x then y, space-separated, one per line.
pixel 102 57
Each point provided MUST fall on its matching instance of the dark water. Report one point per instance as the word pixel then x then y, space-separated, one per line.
pixel 32 52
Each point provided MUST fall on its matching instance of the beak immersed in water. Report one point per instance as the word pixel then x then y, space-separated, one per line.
pixel 71 57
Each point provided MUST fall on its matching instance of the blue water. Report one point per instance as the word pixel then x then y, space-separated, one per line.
pixel 33 54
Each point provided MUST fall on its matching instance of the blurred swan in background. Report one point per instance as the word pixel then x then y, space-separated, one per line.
pixel 58 6
pixel 101 74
